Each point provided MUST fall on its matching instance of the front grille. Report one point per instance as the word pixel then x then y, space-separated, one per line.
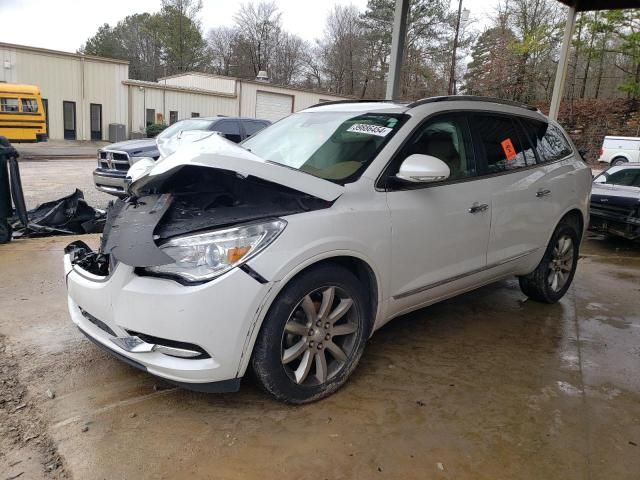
pixel 110 160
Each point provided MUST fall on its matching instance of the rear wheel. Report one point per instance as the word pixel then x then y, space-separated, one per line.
pixel 618 161
pixel 552 278
pixel 313 336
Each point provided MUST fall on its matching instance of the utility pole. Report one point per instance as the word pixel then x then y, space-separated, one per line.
pixel 452 75
pixel 397 48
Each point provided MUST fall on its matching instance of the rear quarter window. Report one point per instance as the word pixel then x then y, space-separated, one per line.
pixel 549 141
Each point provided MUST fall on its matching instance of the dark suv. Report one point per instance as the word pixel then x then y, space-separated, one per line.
pixel 114 160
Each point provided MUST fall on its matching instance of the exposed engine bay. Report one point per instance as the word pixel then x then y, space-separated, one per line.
pixel 185 200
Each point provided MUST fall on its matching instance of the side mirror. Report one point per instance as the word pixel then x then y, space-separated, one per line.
pixel 418 168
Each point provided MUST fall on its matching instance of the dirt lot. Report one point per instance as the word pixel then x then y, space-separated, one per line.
pixel 46 180
pixel 483 386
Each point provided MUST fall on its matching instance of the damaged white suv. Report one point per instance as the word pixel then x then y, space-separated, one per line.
pixel 286 252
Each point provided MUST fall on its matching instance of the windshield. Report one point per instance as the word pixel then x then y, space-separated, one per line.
pixel 336 146
pixel 186 125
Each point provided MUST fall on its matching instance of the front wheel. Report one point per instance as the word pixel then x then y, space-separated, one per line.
pixel 553 276
pixel 313 335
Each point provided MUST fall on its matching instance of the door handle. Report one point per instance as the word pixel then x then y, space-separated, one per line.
pixel 543 193
pixel 475 208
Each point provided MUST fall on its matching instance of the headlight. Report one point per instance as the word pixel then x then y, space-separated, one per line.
pixel 208 255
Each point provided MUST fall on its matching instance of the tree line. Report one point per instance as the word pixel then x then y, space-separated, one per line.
pixel 514 57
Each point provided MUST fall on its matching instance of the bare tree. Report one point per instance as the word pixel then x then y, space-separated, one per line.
pixel 259 27
pixel 222 44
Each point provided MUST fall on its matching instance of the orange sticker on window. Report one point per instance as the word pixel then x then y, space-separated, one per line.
pixel 508 149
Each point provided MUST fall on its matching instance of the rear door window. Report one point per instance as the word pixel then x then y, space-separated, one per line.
pixel 501 147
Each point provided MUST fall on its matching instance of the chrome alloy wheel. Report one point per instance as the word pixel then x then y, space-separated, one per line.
pixel 561 263
pixel 319 336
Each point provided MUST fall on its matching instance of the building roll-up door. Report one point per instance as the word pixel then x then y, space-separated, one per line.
pixel 273 106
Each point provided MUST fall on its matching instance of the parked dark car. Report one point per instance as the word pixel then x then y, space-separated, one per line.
pixel 114 160
pixel 615 201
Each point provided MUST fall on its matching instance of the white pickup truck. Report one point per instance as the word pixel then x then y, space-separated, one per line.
pixel 619 150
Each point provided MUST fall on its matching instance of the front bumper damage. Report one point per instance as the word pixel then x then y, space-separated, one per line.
pixel 193 336
pixel 622 222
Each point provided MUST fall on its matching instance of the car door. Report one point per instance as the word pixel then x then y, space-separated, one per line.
pixel 439 230
pixel 522 198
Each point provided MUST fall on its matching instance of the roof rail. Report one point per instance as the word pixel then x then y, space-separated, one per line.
pixel 338 102
pixel 460 98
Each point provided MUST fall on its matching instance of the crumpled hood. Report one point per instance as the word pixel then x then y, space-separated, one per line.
pixel 217 152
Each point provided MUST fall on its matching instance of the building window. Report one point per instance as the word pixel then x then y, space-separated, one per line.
pixel 29 105
pixel 173 117
pixel 151 116
pixel 8 104
pixel 195 114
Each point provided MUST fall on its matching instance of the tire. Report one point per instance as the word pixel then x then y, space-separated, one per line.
pixel 307 308
pixel 5 232
pixel 618 161
pixel 557 267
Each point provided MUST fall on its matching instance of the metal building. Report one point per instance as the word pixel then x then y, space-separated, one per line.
pixel 83 94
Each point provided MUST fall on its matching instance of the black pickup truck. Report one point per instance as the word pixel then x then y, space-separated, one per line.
pixel 615 201
pixel 114 160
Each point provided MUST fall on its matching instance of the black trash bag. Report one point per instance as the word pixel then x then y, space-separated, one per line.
pixel 67 215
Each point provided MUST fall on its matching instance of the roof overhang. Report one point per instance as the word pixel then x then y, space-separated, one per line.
pixel 589 5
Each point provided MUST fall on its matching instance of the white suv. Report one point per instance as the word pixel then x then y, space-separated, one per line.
pixel 288 251
pixel 619 150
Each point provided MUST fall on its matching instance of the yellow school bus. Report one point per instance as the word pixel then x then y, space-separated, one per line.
pixel 22 117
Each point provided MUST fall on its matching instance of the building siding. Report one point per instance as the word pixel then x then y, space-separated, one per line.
pixel 73 78
pixel 165 101
pixel 248 92
pixel 205 82
pixel 63 76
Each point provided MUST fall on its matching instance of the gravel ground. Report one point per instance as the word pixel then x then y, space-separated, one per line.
pixel 46 180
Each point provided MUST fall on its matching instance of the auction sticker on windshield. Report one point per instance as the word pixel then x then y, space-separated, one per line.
pixel 370 129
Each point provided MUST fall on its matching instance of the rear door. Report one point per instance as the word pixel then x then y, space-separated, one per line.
pixel 525 187
pixel 510 166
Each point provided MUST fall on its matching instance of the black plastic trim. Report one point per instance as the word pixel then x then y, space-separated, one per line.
pixel 253 274
pixel 126 360
pixel 224 386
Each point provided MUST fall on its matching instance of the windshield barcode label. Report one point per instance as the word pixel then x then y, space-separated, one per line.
pixel 370 129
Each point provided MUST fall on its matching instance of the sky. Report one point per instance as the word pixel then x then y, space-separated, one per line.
pixel 66 24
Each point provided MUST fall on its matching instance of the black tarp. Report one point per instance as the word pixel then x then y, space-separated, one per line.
pixel 67 215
